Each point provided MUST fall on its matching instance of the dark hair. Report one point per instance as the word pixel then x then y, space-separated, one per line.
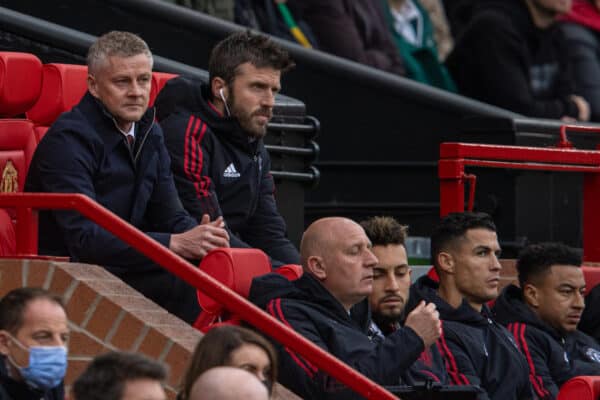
pixel 537 259
pixel 13 304
pixel 454 226
pixel 215 349
pixel 246 47
pixel 105 377
pixel 383 231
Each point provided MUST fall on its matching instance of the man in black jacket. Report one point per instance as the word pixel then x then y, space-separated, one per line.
pixel 512 56
pixel 476 349
pixel 214 134
pixel 328 305
pixel 109 148
pixel 543 315
pixel 391 287
pixel 33 345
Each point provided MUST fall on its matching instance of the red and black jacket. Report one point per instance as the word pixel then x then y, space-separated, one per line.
pixel 308 307
pixel 553 358
pixel 219 171
pixel 476 349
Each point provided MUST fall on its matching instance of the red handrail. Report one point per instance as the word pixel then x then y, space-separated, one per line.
pixel 564 143
pixel 455 157
pixel 186 271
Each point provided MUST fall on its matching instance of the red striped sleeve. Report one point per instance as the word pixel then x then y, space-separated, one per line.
pixel 274 308
pixel 451 367
pixel 518 332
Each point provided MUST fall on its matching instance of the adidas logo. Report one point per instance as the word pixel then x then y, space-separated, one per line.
pixel 231 172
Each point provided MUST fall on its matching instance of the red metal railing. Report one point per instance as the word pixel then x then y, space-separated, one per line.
pixel 26 205
pixel 454 157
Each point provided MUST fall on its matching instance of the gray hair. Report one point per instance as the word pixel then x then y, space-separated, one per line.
pixel 116 43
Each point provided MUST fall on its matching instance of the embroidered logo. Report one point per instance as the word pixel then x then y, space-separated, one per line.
pixel 593 354
pixel 231 172
pixel 10 178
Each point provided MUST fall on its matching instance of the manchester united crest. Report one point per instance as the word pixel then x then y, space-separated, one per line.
pixel 10 178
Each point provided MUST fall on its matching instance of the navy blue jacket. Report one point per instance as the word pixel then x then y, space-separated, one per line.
pixel 553 358
pixel 220 172
pixel 84 152
pixel 306 306
pixel 476 349
pixel 15 390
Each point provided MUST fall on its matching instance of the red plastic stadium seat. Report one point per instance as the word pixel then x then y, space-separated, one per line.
pixel 8 240
pixel 592 277
pixel 580 388
pixel 290 271
pixel 159 79
pixel 20 82
pixel 235 268
pixel 63 85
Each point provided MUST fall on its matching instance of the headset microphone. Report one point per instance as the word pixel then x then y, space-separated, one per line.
pixel 224 101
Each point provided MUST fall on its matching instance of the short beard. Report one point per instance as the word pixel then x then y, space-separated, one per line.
pixel 245 120
pixel 385 321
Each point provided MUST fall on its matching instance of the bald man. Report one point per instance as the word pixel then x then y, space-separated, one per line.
pixel 228 383
pixel 328 305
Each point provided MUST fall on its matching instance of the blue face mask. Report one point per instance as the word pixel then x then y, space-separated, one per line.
pixel 47 366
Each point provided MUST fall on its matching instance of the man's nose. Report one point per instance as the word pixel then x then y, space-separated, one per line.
pixel 268 100
pixel 496 266
pixel 391 284
pixel 579 301
pixel 136 89
pixel 370 259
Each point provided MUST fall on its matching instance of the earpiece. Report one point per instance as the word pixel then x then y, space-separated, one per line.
pixel 224 101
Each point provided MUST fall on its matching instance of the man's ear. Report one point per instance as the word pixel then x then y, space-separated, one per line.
pixel 316 267
pixel 4 341
pixel 92 85
pixel 531 295
pixel 216 85
pixel 445 262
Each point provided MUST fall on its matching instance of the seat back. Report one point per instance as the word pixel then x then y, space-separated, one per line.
pixel 580 388
pixel 592 277
pixel 63 86
pixel 159 80
pixel 234 268
pixel 290 271
pixel 20 82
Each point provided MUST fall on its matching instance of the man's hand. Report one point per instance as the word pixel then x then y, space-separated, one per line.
pixel 583 107
pixel 195 243
pixel 425 321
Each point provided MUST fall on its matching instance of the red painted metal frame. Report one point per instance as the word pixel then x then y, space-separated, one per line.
pixel 27 203
pixel 454 157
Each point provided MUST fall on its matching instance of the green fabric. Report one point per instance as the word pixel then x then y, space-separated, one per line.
pixel 421 63
pixel 219 8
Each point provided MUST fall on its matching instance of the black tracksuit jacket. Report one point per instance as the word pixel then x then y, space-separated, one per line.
pixel 220 172
pixel 476 349
pixel 307 307
pixel 553 358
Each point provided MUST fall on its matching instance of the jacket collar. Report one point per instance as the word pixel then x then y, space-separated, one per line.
pixel 307 289
pixel 511 307
pixel 426 289
pixel 106 126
